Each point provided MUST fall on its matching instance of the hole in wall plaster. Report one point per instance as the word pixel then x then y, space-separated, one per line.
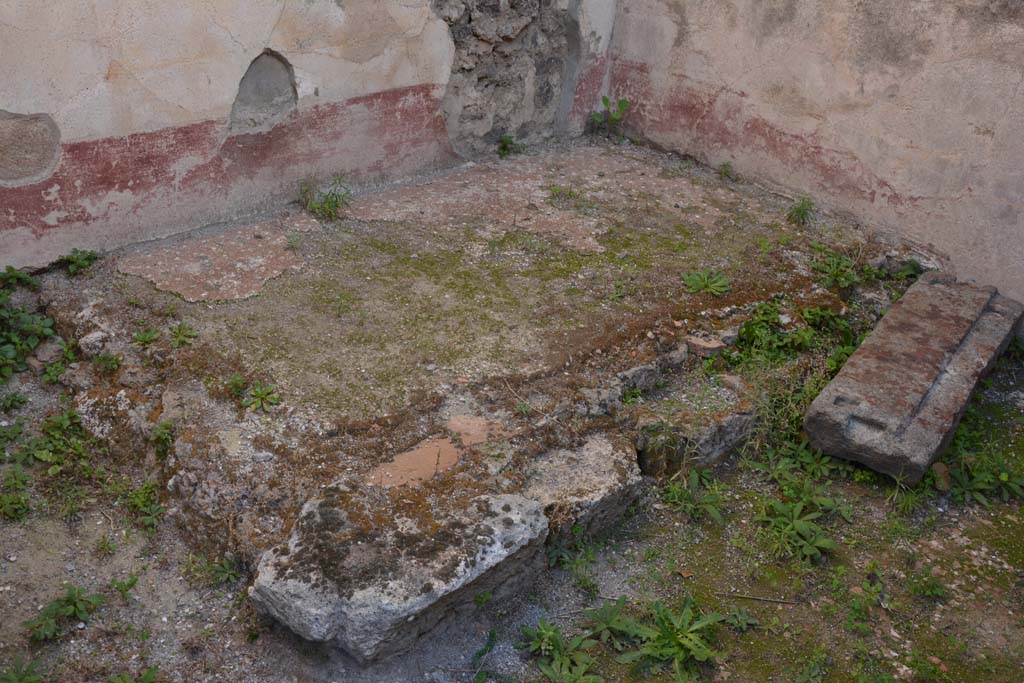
pixel 266 94
pixel 29 148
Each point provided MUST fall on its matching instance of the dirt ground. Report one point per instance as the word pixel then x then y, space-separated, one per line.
pixel 504 287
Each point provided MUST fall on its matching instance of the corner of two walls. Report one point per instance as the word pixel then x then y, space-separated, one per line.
pixel 144 119
pixel 906 115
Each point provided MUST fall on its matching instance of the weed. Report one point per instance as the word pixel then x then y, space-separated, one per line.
pixel 481 599
pixel 162 437
pixel 793 531
pixel 105 547
pixel 838 271
pixel 566 198
pixel 143 502
pixel 20 333
pixel 15 506
pixel 325 204
pixel 979 468
pixel 22 672
pixel 523 409
pixel 107 363
pixel 609 119
pixel 618 293
pixel 725 171
pixel 78 260
pixel 124 587
pixel 695 495
pixel 815 670
pixel 236 385
pixel 182 334
pixel 261 397
pixel 478 657
pixel 610 626
pixel 145 337
pixel 674 641
pixel 202 571
pixel 53 372
pixel 740 620
pixel 576 557
pixel 924 584
pixel 561 661
pixel 11 277
pixel 293 241
pixel 148 675
pixel 632 397
pixel 12 401
pixel 74 605
pixel 714 282
pixel 801 211
pixel 762 339
pixel 507 146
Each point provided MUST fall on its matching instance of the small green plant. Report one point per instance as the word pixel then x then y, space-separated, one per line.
pixel 696 496
pixel 22 672
pixel 105 547
pixel 124 587
pixel 108 363
pixel 801 211
pixel 560 660
pixel 793 531
pixel 145 337
pixel 162 437
pixel 507 146
pixel 261 397
pixel 740 620
pixel 714 282
pixel 78 260
pixel 12 401
pixel 568 198
pixel 725 171
pixel 576 556
pixel 609 119
pixel 182 334
pixel 838 271
pixel 15 506
pixel 11 277
pixel 325 204
pixel 202 571
pixel 632 397
pixel 293 241
pixel 481 599
pixel 674 641
pixel 610 625
pixel 236 385
pixel 54 371
pixel 143 502
pixel 618 293
pixel 75 605
pixel 924 584
pixel 147 675
pixel 523 409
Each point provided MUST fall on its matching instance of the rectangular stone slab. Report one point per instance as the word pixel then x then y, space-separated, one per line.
pixel 898 400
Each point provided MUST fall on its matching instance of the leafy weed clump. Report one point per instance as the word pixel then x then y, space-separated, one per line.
pixel 609 119
pixel 325 204
pixel 74 605
pixel 714 282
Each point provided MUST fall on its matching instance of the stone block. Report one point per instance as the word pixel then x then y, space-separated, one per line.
pixel 589 487
pixel 373 593
pixel 898 400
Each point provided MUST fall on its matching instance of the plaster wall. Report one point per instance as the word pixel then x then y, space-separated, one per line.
pixel 142 92
pixel 908 114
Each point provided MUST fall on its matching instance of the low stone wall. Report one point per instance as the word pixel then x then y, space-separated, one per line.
pixel 906 114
